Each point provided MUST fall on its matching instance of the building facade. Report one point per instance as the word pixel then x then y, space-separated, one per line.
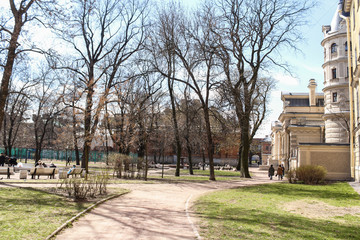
pixel 300 122
pixel 314 128
pixel 336 80
pixel 351 13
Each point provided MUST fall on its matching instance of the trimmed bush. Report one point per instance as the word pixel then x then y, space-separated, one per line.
pixel 311 174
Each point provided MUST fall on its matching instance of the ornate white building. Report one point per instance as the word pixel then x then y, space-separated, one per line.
pixel 336 80
pixel 313 128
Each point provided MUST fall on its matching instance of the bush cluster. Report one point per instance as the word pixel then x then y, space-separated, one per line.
pixel 308 174
pixel 81 188
pixel 123 167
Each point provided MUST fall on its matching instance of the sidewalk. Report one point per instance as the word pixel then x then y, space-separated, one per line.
pixel 150 211
pixel 356 186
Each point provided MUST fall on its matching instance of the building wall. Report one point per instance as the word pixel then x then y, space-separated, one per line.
pixel 352 12
pixel 334 158
pixel 336 112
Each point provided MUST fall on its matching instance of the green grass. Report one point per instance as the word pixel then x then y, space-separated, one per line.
pixel 27 213
pixel 195 178
pixel 33 214
pixel 217 173
pixel 204 173
pixel 258 213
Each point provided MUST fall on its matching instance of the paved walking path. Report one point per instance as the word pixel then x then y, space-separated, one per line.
pixel 149 211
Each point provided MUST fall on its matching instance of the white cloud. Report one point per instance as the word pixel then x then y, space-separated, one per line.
pixel 284 79
pixel 316 70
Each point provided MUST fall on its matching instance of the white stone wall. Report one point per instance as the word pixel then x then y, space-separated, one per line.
pixel 336 112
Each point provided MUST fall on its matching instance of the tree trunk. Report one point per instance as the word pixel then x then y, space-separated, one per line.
pixel 203 157
pixel 176 128
pixel 5 81
pixel 87 125
pixel 210 143
pixel 190 160
pixel 238 167
pixel 245 142
pixel 37 153
pixel 75 140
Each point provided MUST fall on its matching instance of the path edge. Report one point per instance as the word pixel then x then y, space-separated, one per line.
pixel 71 220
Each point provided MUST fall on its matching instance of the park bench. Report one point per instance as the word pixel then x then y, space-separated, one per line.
pixel 227 168
pixel 7 171
pixel 43 172
pixel 75 171
pixel 18 169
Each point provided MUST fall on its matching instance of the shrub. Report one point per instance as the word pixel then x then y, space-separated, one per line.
pixel 311 174
pixel 80 188
pixel 119 162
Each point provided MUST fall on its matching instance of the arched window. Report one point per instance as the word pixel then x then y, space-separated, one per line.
pixel 333 48
pixel 346 47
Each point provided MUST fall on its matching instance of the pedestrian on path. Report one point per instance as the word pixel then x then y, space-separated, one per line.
pixel 279 173
pixel 271 172
pixel 2 159
pixel 68 161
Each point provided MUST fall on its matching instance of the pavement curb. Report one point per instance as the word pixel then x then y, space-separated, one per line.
pixel 82 213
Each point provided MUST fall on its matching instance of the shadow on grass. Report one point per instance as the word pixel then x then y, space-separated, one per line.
pixel 242 223
pixel 30 197
pixel 334 191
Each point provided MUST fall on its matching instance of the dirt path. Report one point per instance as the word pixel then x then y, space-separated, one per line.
pixel 150 211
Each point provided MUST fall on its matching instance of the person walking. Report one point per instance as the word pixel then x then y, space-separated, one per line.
pixel 279 173
pixel 283 171
pixel 68 161
pixel 271 172
pixel 2 159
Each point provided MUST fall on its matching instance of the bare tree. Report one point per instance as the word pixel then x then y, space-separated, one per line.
pixel 162 49
pixel 104 36
pixel 251 34
pixel 12 25
pixel 194 48
pixel 47 97
pixel 16 106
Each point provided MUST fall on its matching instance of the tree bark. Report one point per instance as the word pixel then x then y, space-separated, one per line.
pixel 11 55
pixel 210 143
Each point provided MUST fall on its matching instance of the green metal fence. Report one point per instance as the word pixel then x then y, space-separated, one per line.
pixel 29 153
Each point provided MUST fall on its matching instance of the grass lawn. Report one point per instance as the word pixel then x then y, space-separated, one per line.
pixel 281 211
pixel 185 172
pixel 199 175
pixel 34 214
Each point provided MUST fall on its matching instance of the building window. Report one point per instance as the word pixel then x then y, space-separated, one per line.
pixel 320 103
pixel 333 48
pixel 347 71
pixel 346 47
pixel 333 71
pixel 334 96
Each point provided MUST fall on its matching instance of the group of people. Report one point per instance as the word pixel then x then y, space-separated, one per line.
pixel 11 161
pixel 279 173
pixel 41 164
